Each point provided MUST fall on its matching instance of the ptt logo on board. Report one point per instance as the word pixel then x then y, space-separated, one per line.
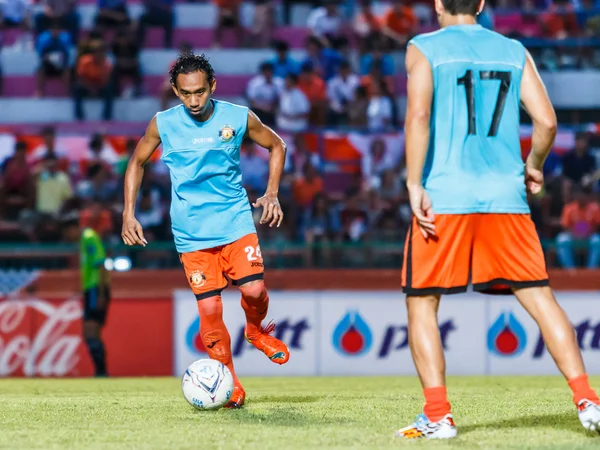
pixel 352 336
pixel 506 337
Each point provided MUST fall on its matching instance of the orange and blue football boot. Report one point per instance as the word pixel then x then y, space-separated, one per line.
pixel 275 350
pixel 238 397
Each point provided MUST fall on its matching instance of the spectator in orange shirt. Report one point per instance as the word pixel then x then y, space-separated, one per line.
pixel 366 23
pixel 580 220
pixel 306 187
pixel 315 90
pixel 228 17
pixel 98 218
pixel 399 23
pixel 94 73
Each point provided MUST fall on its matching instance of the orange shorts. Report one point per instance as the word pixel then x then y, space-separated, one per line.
pixel 208 270
pixel 500 252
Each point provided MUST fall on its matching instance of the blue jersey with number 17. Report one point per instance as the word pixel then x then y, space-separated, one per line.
pixel 474 162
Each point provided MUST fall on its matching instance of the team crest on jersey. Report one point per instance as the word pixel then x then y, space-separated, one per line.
pixel 197 278
pixel 227 133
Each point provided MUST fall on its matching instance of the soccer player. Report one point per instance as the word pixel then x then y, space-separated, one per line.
pixel 467 185
pixel 96 290
pixel 210 213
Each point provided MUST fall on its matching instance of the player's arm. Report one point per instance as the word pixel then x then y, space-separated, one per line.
pixel 267 138
pixel 417 131
pixel 536 102
pixel 132 230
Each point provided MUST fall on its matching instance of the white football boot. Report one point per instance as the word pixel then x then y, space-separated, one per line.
pixel 589 415
pixel 424 428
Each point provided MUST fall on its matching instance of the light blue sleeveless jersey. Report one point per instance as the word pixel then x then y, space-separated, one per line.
pixel 474 162
pixel 209 206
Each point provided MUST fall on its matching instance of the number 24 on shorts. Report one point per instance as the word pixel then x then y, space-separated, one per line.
pixel 251 251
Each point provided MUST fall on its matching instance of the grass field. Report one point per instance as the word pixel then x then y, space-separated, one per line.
pixel 285 413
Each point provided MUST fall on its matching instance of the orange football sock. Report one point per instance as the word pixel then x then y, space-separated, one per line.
pixel 581 389
pixel 436 403
pixel 214 334
pixel 256 305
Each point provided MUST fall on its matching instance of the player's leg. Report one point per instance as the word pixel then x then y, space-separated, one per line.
pixel 500 263
pixel 95 308
pixel 243 263
pixel 433 267
pixel 207 282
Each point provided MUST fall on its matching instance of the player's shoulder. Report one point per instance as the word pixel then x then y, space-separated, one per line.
pixel 222 104
pixel 171 111
pixel 427 37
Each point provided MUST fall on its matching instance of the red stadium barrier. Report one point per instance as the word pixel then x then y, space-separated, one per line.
pixel 42 337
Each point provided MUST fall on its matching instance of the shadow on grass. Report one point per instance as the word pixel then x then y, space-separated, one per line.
pixel 563 421
pixel 287 399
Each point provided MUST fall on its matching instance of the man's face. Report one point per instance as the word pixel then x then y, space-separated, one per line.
pixel 194 91
pixel 581 145
pixel 49 139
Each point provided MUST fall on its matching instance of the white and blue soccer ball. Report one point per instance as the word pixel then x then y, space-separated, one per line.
pixel 207 384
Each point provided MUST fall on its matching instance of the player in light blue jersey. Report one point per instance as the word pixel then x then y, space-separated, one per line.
pixel 210 212
pixel 467 185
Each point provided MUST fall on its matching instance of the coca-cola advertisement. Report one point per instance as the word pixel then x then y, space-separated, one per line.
pixel 43 338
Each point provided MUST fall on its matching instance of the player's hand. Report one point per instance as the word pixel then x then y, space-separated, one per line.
pixel 272 213
pixel 422 209
pixel 132 232
pixel 534 179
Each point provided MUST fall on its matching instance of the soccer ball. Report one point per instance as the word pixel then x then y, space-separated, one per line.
pixel 207 384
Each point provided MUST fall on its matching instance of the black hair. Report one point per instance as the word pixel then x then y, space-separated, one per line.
pixel 281 46
pixel 307 67
pixel 314 40
pixel 49 130
pixel 188 62
pixel 96 141
pixel 94 170
pixel 266 66
pixel 293 77
pixel 456 7
pixel 20 146
pixel 345 64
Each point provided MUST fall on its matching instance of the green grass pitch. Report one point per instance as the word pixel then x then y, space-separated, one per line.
pixel 286 413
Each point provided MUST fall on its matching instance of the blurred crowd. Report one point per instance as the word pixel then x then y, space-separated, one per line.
pixel 40 188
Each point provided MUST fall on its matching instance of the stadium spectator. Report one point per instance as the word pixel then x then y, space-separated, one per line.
pixel 354 220
pixel 321 227
pixel 580 221
pixel 53 48
pixel 121 165
pixel 326 61
pixel 100 151
pixel 157 13
pixel 294 107
pixel 307 186
pixel 112 14
pixel 375 162
pixel 315 90
pixel 325 23
pixel 98 218
pixel 150 214
pixel 53 188
pixel 399 24
pixel 366 24
pixel 97 185
pixel 380 111
pixel 392 187
pixel 340 92
pixel 228 17
pixel 17 14
pixel 36 158
pixel 263 93
pixel 357 110
pixel 261 33
pixel 16 184
pixel 94 73
pixel 126 52
pixel 63 11
pixel 377 59
pixel 283 64
pixel 579 164
pixel 298 155
pixel 255 170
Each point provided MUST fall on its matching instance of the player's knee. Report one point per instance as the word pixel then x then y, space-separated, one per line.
pixel 254 291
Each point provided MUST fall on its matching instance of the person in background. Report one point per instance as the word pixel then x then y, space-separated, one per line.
pixel 53 48
pixel 126 51
pixel 375 162
pixel 377 59
pixel 380 111
pixel 255 170
pixel 228 17
pixel 100 151
pixel 399 24
pixel 580 221
pixel 325 23
pixel 95 284
pixel 294 107
pixel 48 148
pixel 357 110
pixel 340 92
pixel 307 186
pixel 315 90
pixel 579 164
pixel 366 24
pixel 53 188
pixel 283 64
pixel 150 213
pixel 326 61
pixel 94 79
pixel 112 14
pixel 298 156
pixel 157 13
pixel 16 184
pixel 263 93
pixel 97 185
pixel 321 224
pixel 63 11
pixel 261 33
